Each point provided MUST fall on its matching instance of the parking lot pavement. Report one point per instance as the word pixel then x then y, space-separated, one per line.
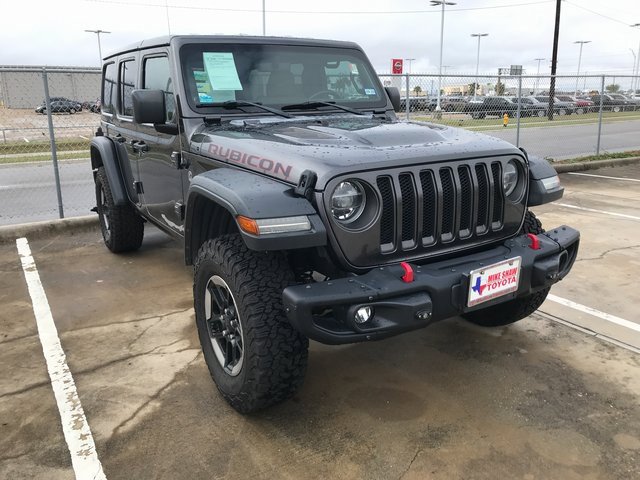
pixel 538 399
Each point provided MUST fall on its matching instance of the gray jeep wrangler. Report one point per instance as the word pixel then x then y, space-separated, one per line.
pixel 308 210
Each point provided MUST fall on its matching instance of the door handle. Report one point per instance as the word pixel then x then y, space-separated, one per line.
pixel 140 147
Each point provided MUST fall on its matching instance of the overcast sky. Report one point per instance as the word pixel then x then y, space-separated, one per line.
pixel 45 32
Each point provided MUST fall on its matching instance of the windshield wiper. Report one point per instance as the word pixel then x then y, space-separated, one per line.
pixel 231 104
pixel 316 104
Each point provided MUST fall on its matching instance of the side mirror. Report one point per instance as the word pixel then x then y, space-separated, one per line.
pixel 148 106
pixel 394 95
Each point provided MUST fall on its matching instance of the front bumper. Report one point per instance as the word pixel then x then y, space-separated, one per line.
pixel 325 311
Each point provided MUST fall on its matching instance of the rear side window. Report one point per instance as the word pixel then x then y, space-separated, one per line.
pixel 109 88
pixel 128 75
pixel 158 77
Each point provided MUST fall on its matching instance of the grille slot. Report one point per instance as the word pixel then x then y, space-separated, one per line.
pixel 429 207
pixel 482 217
pixel 388 212
pixel 408 207
pixel 466 201
pixel 455 204
pixel 448 204
pixel 498 200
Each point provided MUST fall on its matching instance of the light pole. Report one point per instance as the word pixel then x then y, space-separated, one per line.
pixel 537 73
pixel 433 4
pixel 633 69
pixel 264 18
pixel 409 60
pixel 636 83
pixel 475 85
pixel 98 32
pixel 581 42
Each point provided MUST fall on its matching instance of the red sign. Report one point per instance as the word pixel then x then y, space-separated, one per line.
pixel 396 65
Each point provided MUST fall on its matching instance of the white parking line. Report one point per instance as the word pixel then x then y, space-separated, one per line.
pixel 604 176
pixel 596 313
pixel 77 433
pixel 613 214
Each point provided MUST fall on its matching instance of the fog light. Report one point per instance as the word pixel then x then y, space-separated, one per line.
pixel 363 314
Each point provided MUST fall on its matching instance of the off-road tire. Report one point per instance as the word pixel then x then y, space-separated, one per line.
pixel 122 228
pixel 274 353
pixel 519 308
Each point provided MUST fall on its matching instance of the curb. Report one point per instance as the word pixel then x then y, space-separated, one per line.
pixel 581 166
pixel 8 233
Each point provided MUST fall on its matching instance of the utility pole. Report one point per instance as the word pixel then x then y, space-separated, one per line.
pixel 554 59
pixel 636 83
pixel 442 3
pixel 98 32
pixel 581 42
pixel 537 73
pixel 264 19
pixel 475 85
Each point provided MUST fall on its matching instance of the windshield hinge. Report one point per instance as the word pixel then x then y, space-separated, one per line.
pixel 306 184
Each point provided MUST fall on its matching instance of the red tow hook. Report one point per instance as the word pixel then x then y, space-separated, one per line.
pixel 535 243
pixel 408 272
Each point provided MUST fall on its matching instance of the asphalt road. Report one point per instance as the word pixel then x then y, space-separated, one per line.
pixel 555 396
pixel 27 191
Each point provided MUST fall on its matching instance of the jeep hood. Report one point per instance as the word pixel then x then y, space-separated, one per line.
pixel 338 144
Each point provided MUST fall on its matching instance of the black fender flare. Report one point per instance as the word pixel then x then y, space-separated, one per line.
pixel 539 169
pixel 253 196
pixel 104 153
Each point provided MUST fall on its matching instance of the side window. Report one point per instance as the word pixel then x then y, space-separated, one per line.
pixel 128 75
pixel 109 88
pixel 158 77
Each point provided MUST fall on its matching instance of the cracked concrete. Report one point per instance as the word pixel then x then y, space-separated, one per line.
pixel 536 400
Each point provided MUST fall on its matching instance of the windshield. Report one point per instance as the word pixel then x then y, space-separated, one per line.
pixel 277 75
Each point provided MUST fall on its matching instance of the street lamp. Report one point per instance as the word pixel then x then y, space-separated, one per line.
pixel 636 83
pixel 433 4
pixel 412 59
pixel 581 42
pixel 537 73
pixel 98 32
pixel 475 85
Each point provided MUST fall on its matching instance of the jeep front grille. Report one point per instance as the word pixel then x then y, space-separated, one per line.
pixel 455 203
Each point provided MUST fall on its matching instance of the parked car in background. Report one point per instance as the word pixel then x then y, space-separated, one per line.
pixel 580 105
pixel 532 107
pixel 491 106
pixel 559 107
pixel 60 106
pixel 611 103
pixel 94 107
pixel 627 103
pixel 415 104
pixel 77 104
pixel 453 103
pixel 634 100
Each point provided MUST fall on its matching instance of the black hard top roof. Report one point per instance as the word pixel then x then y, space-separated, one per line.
pixel 168 39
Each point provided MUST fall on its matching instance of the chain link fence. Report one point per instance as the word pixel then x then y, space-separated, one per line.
pixel 576 121
pixel 48 116
pixel 47 119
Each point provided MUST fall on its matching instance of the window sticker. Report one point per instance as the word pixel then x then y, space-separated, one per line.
pixel 206 94
pixel 370 91
pixel 221 70
pixel 354 68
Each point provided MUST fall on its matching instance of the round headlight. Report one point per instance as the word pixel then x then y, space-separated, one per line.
pixel 347 201
pixel 510 177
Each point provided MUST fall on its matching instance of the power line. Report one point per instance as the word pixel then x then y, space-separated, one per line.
pixel 596 13
pixel 313 12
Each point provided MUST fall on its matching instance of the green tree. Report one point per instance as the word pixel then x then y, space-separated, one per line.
pixel 472 88
pixel 613 88
pixel 417 90
pixel 500 88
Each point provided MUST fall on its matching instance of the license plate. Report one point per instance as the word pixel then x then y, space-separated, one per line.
pixel 493 281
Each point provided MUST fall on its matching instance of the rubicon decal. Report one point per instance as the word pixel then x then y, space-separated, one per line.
pixel 254 161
